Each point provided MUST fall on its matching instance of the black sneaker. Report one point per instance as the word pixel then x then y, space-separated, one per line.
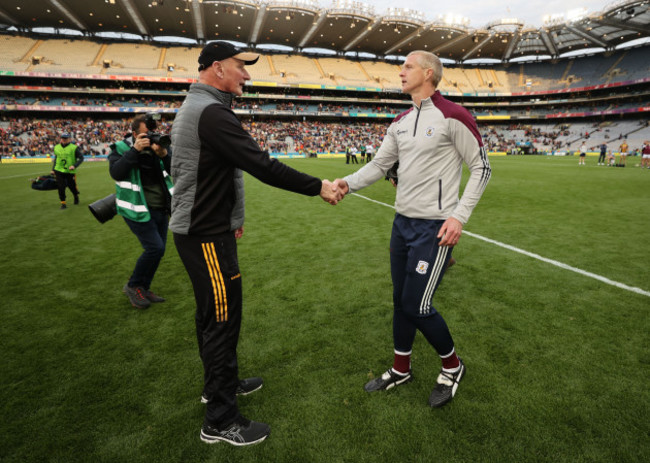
pixel 248 385
pixel 151 297
pixel 63 206
pixel 388 380
pixel 136 297
pixel 245 387
pixel 241 432
pixel 76 199
pixel 447 384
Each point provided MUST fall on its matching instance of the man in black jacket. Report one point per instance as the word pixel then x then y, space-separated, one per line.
pixel 211 149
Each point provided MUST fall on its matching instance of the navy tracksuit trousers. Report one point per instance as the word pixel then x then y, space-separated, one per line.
pixel 417 267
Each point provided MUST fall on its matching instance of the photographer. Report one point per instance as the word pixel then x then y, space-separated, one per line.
pixel 140 165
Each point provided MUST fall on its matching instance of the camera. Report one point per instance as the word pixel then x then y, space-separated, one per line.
pixel 104 209
pixel 151 121
pixel 159 139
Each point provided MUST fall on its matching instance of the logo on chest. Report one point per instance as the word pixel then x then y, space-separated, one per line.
pixel 429 132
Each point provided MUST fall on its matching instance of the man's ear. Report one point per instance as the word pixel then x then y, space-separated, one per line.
pixel 218 68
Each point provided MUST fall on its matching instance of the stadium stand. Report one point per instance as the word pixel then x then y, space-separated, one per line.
pixel 57 56
pixel 15 52
pixel 329 92
pixel 633 65
pixel 183 60
pixel 345 72
pixel 383 74
pixel 135 59
pixel 263 71
pixel 294 69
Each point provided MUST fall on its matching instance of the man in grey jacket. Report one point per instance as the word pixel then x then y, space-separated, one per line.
pixel 431 141
pixel 211 149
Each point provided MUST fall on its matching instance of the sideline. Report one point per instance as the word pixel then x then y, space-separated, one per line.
pixel 36 174
pixel 538 257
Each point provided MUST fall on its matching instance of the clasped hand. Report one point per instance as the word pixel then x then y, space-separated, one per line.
pixel 331 192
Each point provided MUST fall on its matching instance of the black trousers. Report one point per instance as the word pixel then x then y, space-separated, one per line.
pixel 212 265
pixel 66 180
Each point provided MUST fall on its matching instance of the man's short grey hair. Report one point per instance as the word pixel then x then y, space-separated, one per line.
pixel 428 60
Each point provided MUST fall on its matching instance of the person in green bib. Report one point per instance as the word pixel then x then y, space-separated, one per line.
pixel 143 190
pixel 67 158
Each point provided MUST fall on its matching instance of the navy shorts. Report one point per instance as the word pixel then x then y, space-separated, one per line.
pixel 417 264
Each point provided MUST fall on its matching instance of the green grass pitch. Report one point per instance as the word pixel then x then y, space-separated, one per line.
pixel 558 362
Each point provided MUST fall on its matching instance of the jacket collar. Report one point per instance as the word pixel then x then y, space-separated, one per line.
pixel 429 101
pixel 222 97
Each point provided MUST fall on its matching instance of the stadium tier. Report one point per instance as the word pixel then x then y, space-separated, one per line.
pixel 540 106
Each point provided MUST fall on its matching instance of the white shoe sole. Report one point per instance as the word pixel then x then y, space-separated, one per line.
pixel 216 440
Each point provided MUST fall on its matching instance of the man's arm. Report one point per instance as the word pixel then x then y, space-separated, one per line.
pixel 79 157
pixel 120 166
pixel 222 131
pixel 375 169
pixel 470 147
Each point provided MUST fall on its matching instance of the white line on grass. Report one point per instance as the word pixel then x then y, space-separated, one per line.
pixel 23 175
pixel 538 257
pixel 99 164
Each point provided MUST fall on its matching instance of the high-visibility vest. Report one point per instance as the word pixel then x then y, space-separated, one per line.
pixel 129 194
pixel 65 157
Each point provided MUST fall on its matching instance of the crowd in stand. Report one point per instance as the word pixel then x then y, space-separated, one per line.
pixel 320 108
pixel 294 106
pixel 315 136
pixel 31 137
pixel 153 102
pixel 89 100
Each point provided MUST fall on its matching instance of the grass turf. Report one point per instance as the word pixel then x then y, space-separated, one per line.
pixel 557 362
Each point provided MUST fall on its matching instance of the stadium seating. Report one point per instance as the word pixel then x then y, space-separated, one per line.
pixel 184 60
pixel 383 74
pixel 634 65
pixel 293 69
pixel 15 52
pixel 475 83
pixel 67 56
pixel 262 71
pixel 134 59
pixel 345 72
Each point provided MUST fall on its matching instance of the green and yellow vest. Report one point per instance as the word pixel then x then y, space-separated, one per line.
pixel 129 195
pixel 65 157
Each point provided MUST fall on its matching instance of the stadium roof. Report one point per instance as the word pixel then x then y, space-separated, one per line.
pixel 344 27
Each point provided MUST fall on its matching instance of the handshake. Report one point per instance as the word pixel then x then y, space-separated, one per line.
pixel 333 192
